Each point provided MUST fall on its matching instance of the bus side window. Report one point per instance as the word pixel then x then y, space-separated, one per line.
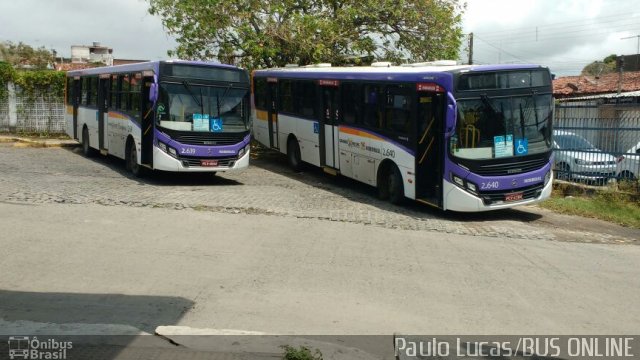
pixel 136 98
pixel 351 103
pixel 69 91
pixel 86 88
pixel 124 92
pixel 372 115
pixel 113 91
pixel 260 93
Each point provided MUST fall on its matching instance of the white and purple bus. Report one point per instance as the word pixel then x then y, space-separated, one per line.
pixel 457 137
pixel 164 115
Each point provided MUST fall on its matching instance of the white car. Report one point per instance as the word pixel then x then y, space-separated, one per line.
pixel 629 167
pixel 577 159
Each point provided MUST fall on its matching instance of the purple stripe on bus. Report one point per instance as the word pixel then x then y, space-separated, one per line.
pixel 510 182
pixel 202 151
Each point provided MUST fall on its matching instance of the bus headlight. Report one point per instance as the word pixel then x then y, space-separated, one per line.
pixel 458 180
pixel 162 146
pixel 472 187
pixel 243 151
pixel 172 152
pixel 547 177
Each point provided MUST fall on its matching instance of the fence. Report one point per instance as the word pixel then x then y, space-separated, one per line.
pixel 43 114
pixel 596 143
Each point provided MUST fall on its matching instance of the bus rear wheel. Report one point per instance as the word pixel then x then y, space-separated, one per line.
pixel 86 148
pixel 390 185
pixel 396 190
pixel 293 154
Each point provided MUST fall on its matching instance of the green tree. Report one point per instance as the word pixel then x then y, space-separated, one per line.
pixel 23 55
pixel 599 68
pixel 256 33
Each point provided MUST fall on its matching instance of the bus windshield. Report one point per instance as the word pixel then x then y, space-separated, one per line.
pixel 189 107
pixel 502 126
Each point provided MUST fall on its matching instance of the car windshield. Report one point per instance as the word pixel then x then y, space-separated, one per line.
pixel 189 107
pixel 496 127
pixel 573 142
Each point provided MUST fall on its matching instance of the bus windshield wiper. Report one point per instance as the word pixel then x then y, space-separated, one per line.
pixel 195 98
pixel 224 95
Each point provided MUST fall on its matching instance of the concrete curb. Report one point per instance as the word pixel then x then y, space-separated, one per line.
pixel 39 142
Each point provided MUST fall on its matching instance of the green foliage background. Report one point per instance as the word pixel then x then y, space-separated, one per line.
pixel 256 33
pixel 33 83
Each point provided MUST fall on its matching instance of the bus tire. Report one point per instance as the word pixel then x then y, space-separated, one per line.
pixel 86 148
pixel 132 160
pixel 293 154
pixel 395 186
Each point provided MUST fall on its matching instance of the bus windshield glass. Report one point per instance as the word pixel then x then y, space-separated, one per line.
pixel 190 107
pixel 502 126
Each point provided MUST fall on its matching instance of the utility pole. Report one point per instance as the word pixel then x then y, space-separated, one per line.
pixel 470 48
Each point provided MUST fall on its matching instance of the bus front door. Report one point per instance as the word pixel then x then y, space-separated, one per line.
pixel 147 124
pixel 429 158
pixel 272 88
pixel 328 126
pixel 103 111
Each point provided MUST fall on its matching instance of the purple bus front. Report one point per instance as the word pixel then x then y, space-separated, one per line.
pixel 499 143
pixel 202 118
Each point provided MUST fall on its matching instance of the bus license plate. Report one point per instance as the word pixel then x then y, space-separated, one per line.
pixel 513 196
pixel 209 162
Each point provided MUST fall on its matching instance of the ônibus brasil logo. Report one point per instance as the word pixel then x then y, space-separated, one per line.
pixel 24 347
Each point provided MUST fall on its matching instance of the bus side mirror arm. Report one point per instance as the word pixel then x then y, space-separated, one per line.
pixel 450 125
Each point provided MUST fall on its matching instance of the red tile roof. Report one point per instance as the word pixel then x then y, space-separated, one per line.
pixel 572 86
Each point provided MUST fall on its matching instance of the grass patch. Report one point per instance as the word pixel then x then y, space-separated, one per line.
pixel 301 353
pixel 611 205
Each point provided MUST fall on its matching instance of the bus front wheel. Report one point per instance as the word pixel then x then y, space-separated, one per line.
pixel 132 160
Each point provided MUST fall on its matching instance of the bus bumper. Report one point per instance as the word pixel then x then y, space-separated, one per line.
pixel 457 199
pixel 165 162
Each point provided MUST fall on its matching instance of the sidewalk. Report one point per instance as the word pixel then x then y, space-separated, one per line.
pixel 38 142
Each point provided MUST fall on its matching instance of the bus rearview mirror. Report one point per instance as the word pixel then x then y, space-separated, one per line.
pixel 153 92
pixel 450 124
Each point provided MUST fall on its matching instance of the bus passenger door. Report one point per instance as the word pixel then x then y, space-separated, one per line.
pixel 429 160
pixel 272 88
pixel 147 123
pixel 328 134
pixel 103 112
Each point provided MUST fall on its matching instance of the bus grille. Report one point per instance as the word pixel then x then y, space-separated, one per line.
pixel 210 139
pixel 530 192
pixel 511 168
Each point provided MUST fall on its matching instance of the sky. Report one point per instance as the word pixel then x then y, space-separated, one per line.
pixel 565 35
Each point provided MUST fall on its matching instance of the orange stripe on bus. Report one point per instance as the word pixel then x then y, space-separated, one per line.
pixel 352 131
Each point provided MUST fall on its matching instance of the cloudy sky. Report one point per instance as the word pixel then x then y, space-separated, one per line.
pixel 563 34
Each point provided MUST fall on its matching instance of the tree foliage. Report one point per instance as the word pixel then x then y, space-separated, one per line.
pixel 256 33
pixel 23 55
pixel 598 68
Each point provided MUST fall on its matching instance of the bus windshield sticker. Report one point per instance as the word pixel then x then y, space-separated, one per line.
pixel 200 122
pixel 522 147
pixel 503 146
pixel 216 125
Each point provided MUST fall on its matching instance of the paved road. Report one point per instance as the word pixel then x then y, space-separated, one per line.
pixel 268 187
pixel 138 268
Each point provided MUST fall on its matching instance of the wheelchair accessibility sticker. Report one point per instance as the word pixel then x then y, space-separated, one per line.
pixel 316 128
pixel 216 125
pixel 522 146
